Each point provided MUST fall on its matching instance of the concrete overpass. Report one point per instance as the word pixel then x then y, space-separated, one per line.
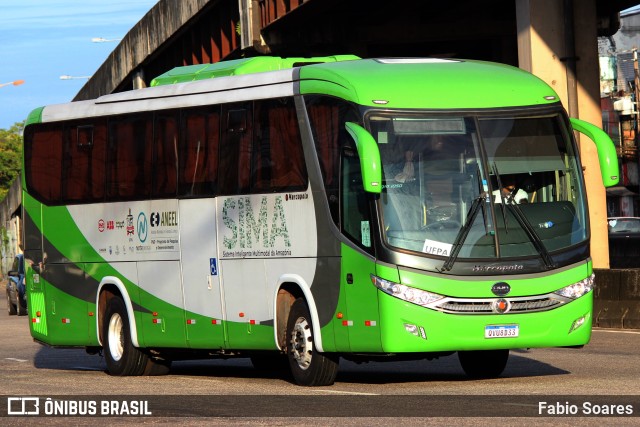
pixel 554 39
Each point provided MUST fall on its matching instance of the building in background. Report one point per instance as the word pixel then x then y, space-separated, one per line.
pixel 619 92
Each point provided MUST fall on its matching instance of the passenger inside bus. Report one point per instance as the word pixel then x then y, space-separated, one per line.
pixel 510 190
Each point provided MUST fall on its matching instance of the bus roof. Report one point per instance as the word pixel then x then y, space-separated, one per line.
pixel 239 67
pixel 425 83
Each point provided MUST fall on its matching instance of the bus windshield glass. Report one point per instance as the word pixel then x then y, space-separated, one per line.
pixel 490 186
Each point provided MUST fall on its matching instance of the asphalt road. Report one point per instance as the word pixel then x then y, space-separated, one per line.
pixel 411 393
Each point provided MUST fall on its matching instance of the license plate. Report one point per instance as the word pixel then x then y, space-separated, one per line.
pixel 501 331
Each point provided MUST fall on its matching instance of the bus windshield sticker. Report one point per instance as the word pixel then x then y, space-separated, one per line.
pixel 365 230
pixel 435 247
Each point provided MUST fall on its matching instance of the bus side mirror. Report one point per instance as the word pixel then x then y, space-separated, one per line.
pixel 606 150
pixel 369 157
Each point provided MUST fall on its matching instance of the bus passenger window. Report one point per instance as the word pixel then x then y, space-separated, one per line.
pixel 130 160
pixel 165 174
pixel 43 162
pixel 84 163
pixel 277 158
pixel 198 153
pixel 235 149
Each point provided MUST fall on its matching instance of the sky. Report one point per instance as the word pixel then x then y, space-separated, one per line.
pixel 41 40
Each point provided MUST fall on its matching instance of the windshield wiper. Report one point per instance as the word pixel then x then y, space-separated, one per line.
pixel 464 231
pixel 502 207
pixel 531 232
pixel 510 202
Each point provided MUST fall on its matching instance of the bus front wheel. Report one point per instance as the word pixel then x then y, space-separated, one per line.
pixel 122 357
pixel 483 363
pixel 308 367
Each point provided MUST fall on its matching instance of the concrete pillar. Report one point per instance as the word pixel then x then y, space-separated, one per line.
pixel 541 50
pixel 138 80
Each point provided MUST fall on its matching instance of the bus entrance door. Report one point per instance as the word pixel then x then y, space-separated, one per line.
pixel 200 276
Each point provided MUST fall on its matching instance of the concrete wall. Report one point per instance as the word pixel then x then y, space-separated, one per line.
pixel 617 299
pixel 11 226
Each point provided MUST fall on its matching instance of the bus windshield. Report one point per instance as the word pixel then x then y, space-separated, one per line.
pixel 483 187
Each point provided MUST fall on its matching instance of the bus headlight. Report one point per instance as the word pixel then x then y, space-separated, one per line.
pixel 406 293
pixel 577 289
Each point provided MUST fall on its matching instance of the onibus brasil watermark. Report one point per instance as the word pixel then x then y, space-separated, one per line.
pixel 76 407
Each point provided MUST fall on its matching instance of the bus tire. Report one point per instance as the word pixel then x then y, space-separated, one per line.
pixel 122 357
pixel 483 363
pixel 308 366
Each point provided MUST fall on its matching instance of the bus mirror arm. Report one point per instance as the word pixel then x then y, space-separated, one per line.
pixel 369 157
pixel 606 150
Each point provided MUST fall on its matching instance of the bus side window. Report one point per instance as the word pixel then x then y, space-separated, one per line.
pixel 327 117
pixel 235 149
pixel 43 161
pixel 165 173
pixel 84 163
pixel 355 213
pixel 198 152
pixel 277 159
pixel 130 159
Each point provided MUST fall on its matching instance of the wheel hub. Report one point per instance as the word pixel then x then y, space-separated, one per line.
pixel 302 343
pixel 116 337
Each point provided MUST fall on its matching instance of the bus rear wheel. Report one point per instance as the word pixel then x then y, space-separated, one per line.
pixel 122 357
pixel 483 363
pixel 308 366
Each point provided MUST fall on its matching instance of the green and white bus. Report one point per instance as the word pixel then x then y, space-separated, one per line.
pixel 301 210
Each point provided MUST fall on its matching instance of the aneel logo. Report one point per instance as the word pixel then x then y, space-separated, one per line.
pixel 154 219
pixel 164 219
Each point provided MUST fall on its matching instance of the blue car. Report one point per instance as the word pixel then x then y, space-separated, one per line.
pixel 16 298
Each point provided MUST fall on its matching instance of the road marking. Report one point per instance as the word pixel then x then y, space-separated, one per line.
pixel 344 392
pixel 13 359
pixel 521 404
pixel 617 331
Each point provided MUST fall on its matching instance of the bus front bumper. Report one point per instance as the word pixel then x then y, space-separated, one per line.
pixel 407 327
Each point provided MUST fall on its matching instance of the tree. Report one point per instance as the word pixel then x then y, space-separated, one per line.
pixel 10 156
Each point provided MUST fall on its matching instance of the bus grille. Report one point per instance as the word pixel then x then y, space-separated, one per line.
pixel 486 305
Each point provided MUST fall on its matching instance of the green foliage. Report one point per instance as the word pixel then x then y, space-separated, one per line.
pixel 10 156
pixel 5 239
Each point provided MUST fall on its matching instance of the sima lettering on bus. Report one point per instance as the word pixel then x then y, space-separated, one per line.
pixel 247 229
